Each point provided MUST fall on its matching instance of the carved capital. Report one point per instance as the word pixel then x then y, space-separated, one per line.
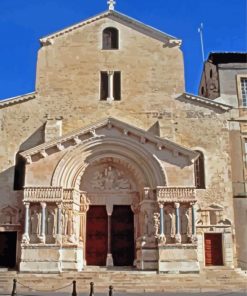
pixel 27 205
pixel 43 205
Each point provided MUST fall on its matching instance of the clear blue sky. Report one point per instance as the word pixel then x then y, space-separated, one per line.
pixel 23 22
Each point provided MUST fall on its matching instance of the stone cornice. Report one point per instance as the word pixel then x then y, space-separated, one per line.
pixel 206 102
pixel 148 30
pixel 17 100
pixel 90 132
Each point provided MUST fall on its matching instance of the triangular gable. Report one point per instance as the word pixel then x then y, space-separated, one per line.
pixel 118 17
pixel 78 136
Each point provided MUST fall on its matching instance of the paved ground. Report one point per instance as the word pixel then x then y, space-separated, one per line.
pixel 138 294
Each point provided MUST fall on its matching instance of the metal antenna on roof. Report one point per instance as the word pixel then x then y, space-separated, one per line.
pixel 111 4
pixel 200 31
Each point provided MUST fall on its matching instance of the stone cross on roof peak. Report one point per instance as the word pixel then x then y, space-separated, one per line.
pixel 111 4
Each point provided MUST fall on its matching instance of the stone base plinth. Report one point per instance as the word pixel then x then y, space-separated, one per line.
pixel 72 258
pixel 40 259
pixel 51 258
pixel 178 259
pixel 147 259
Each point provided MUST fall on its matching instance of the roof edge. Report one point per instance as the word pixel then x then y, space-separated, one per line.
pixel 47 40
pixel 208 102
pixel 17 99
pixel 103 122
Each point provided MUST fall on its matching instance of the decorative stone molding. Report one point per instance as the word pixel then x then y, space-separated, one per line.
pixel 43 194
pixel 9 216
pixel 92 133
pixel 212 216
pixel 175 194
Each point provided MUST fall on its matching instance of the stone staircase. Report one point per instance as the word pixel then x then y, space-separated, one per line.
pixel 129 280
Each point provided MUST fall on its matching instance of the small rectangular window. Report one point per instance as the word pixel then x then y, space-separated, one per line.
pixel 110 86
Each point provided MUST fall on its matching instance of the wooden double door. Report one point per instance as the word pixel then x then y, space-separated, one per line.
pixel 121 236
pixel 213 249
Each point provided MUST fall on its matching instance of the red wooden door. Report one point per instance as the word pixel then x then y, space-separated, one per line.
pixel 213 249
pixel 122 236
pixel 96 244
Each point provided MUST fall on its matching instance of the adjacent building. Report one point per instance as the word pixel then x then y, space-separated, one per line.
pixel 224 79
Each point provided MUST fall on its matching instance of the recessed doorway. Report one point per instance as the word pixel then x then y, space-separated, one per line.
pixel 213 249
pixel 8 249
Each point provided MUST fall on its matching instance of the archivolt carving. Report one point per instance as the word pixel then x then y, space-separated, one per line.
pixel 72 166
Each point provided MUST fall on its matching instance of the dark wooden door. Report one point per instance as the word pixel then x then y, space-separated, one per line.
pixel 122 236
pixel 8 249
pixel 96 244
pixel 213 249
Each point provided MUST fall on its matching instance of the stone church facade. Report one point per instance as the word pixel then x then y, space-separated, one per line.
pixel 109 162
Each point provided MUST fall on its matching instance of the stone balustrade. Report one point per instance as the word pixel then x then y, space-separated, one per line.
pixel 175 194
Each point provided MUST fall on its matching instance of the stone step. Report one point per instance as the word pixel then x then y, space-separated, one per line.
pixel 130 281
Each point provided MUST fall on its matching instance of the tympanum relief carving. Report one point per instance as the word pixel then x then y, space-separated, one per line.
pixel 110 178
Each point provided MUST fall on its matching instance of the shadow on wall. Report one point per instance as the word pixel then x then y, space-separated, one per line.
pixel 13 178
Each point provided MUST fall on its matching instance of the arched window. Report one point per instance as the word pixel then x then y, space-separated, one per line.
pixel 110 38
pixel 199 171
pixel 19 177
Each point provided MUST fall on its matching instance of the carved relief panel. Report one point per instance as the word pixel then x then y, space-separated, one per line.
pixel 106 177
pixel 9 216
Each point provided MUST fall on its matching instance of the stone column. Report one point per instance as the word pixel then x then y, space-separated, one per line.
pixel 110 85
pixel 162 223
pixel 43 220
pixel 109 259
pixel 135 209
pixel 193 222
pixel 59 223
pixel 25 237
pixel 177 235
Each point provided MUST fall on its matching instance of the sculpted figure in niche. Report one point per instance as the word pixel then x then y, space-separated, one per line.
pixel 51 225
pixel 73 238
pixel 148 223
pixel 156 224
pixel 65 218
pixel 170 222
pixel 185 222
pixel 35 222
